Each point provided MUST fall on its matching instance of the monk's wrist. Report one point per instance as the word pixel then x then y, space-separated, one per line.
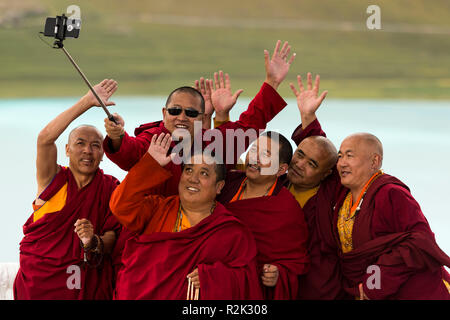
pixel 92 244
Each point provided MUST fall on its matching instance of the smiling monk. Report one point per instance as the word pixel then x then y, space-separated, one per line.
pixel 182 239
pixel 258 198
pixel 379 224
pixel 71 225
pixel 186 106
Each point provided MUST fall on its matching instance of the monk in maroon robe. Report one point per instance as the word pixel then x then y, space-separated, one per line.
pixel 187 106
pixel 181 239
pixel 388 250
pixel 313 179
pixel 260 201
pixel 386 232
pixel 65 251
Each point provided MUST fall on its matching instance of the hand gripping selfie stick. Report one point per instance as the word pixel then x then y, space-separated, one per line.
pixel 57 28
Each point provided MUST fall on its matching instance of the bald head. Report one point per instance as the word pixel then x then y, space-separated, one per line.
pixel 368 143
pixel 89 127
pixel 313 160
pixel 327 148
pixel 360 158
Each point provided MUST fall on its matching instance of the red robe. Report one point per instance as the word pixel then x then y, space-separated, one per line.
pixel 223 250
pixel 391 232
pixel 280 231
pixel 263 108
pixel 324 278
pixel 157 261
pixel 50 244
pixel 391 229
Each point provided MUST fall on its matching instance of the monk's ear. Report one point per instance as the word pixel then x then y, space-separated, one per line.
pixel 376 161
pixel 283 169
pixel 219 186
pixel 67 149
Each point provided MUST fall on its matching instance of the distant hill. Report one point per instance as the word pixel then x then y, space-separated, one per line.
pixel 151 47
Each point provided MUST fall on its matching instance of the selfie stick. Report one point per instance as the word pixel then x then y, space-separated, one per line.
pixel 61 46
pixel 58 44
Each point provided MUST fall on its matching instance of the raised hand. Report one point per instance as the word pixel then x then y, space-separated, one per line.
pixel 308 101
pixel 104 90
pixel 115 131
pixel 205 89
pixel 222 97
pixel 278 66
pixel 159 147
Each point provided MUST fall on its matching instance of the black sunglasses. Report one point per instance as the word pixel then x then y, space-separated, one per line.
pixel 188 112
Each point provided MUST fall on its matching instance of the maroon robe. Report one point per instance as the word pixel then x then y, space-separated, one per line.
pixel 324 278
pixel 391 232
pixel 220 246
pixel 396 212
pixel 50 244
pixel 280 231
pixel 261 110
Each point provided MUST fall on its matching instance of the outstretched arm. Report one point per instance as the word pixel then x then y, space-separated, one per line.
pixel 131 202
pixel 46 148
pixel 115 131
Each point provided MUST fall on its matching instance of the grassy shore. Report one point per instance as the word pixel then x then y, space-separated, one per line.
pixel 152 47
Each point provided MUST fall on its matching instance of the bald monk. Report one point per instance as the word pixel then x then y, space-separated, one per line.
pixel 380 225
pixel 67 239
pixel 182 240
pixel 185 106
pixel 312 179
pixel 257 197
pixel 312 127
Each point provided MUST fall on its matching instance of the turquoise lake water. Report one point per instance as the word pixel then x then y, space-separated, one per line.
pixel 415 135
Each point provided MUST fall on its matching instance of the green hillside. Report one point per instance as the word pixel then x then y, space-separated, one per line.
pixel 151 47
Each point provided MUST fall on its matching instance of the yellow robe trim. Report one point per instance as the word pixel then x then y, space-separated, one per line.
pixel 447 285
pixel 345 224
pixel 182 222
pixel 218 123
pixel 345 228
pixel 303 196
pixel 55 204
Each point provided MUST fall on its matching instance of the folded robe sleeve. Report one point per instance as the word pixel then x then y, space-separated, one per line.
pixel 131 204
pixel 131 150
pixel 313 129
pixel 395 211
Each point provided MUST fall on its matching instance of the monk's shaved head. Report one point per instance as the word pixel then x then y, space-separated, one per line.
pixel 370 143
pixel 85 149
pixel 72 133
pixel 327 148
pixel 313 160
pixel 360 158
